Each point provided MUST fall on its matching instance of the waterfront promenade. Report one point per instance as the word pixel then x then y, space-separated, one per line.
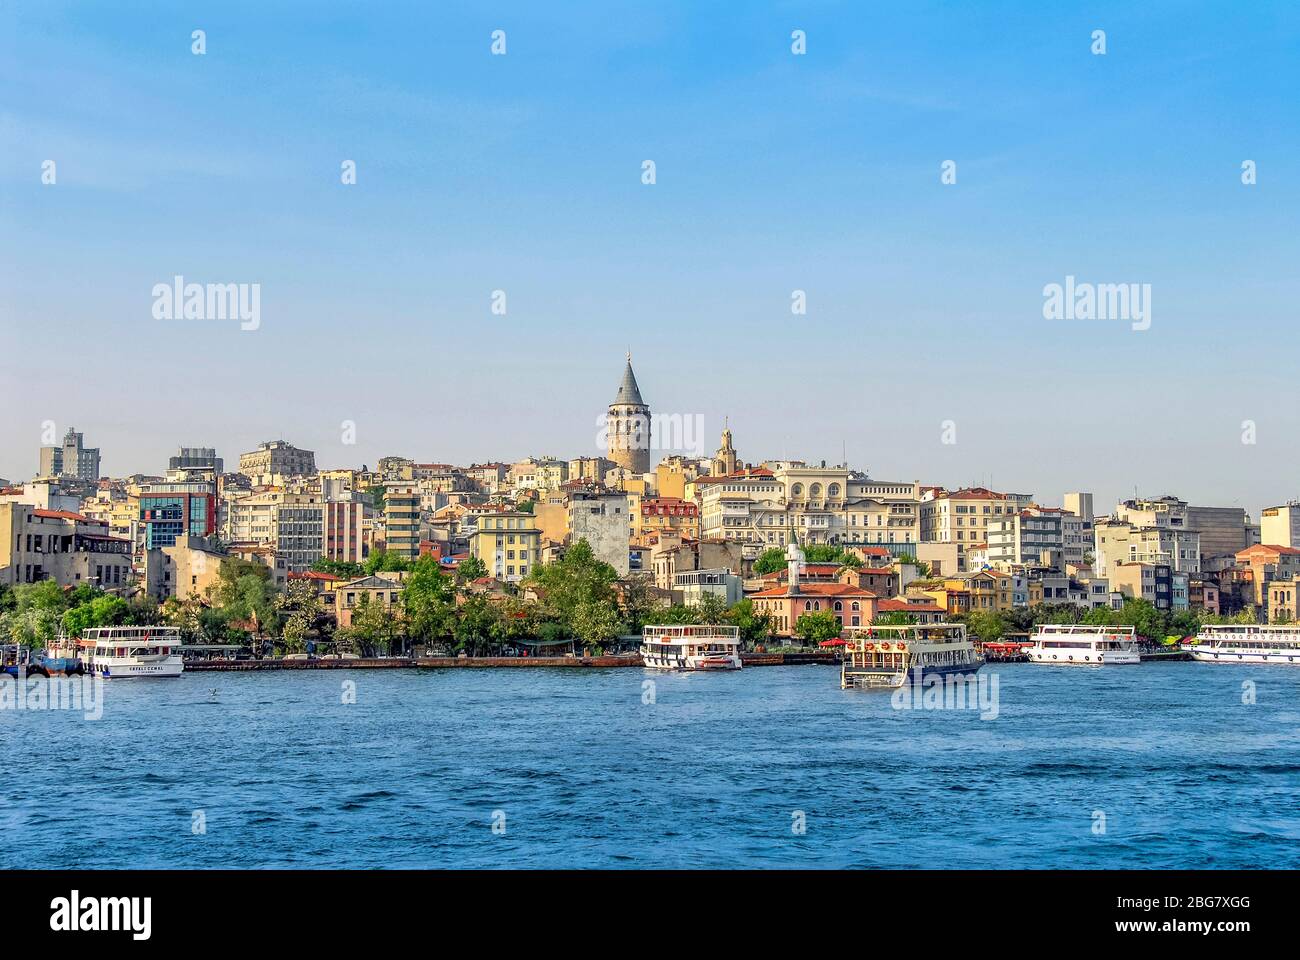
pixel 437 663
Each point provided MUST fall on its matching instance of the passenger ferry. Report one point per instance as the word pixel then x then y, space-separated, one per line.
pixel 691 647
pixel 114 652
pixel 880 656
pixel 1246 643
pixel 1074 644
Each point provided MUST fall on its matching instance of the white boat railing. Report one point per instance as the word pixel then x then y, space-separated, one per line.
pixel 692 631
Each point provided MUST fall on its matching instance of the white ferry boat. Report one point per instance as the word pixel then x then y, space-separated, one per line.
pixel 886 656
pixel 1246 643
pixel 1073 644
pixel 691 647
pixel 114 652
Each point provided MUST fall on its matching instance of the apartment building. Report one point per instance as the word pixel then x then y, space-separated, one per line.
pixel 188 569
pixel 1223 531
pixel 1280 525
pixel 1118 540
pixel 277 458
pixel 197 459
pixel 602 518
pixel 509 543
pixel 402 515
pixel 69 548
pixel 1032 536
pixel 171 509
pixel 71 459
pixel 766 506
pixel 660 514
pixel 1153 582
pixel 1262 564
pixel 963 516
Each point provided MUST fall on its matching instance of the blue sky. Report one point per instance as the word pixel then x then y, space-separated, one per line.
pixel 774 173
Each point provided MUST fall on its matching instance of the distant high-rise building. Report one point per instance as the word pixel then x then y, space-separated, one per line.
pixel 196 458
pixel 1079 504
pixel 277 458
pixel 72 459
pixel 628 425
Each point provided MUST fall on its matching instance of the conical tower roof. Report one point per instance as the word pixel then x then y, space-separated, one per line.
pixel 628 391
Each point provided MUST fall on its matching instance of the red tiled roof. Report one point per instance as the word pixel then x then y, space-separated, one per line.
pixel 970 493
pixel 312 575
pixel 902 606
pixel 818 590
pixel 1271 547
pixel 65 515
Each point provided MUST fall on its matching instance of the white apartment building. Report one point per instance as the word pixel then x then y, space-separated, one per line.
pixel 816 504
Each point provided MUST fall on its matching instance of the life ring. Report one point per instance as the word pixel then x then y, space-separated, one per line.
pixel 870 646
pixel 884 646
pixel 902 647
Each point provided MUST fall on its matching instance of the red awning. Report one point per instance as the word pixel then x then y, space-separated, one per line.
pixel 832 643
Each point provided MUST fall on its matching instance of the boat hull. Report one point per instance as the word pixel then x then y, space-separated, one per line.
pixel 863 679
pixel 1098 658
pixel 171 667
pixel 692 663
pixel 1244 656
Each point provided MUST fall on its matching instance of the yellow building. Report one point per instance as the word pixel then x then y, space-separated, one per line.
pixel 508 543
pixel 661 514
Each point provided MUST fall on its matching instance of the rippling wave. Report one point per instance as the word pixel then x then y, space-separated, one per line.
pixel 767 767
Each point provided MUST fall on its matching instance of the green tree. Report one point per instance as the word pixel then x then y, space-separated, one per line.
pixel 478 627
pixel 339 568
pixel 45 595
pixel 35 627
pixel 595 623
pixel 712 609
pixel 244 592
pixel 1144 617
pixel 383 561
pixel 429 600
pixel 676 615
pixel 769 561
pixel 373 629
pixel 989 625
pixel 471 569
pixel 816 627
pixel 300 606
pixel 578 591
pixel 754 626
pixel 894 618
pixel 102 611
pixel 639 606
pixel 922 569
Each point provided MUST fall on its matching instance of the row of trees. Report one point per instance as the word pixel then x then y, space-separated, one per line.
pixel 773 558
pixel 33 614
pixel 1146 619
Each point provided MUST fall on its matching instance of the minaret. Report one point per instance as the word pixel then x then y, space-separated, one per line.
pixel 794 564
pixel 628 425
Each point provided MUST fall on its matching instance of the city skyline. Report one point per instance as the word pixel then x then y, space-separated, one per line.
pixel 776 173
pixel 600 449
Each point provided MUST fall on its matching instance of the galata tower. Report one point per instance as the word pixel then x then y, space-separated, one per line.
pixel 628 425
